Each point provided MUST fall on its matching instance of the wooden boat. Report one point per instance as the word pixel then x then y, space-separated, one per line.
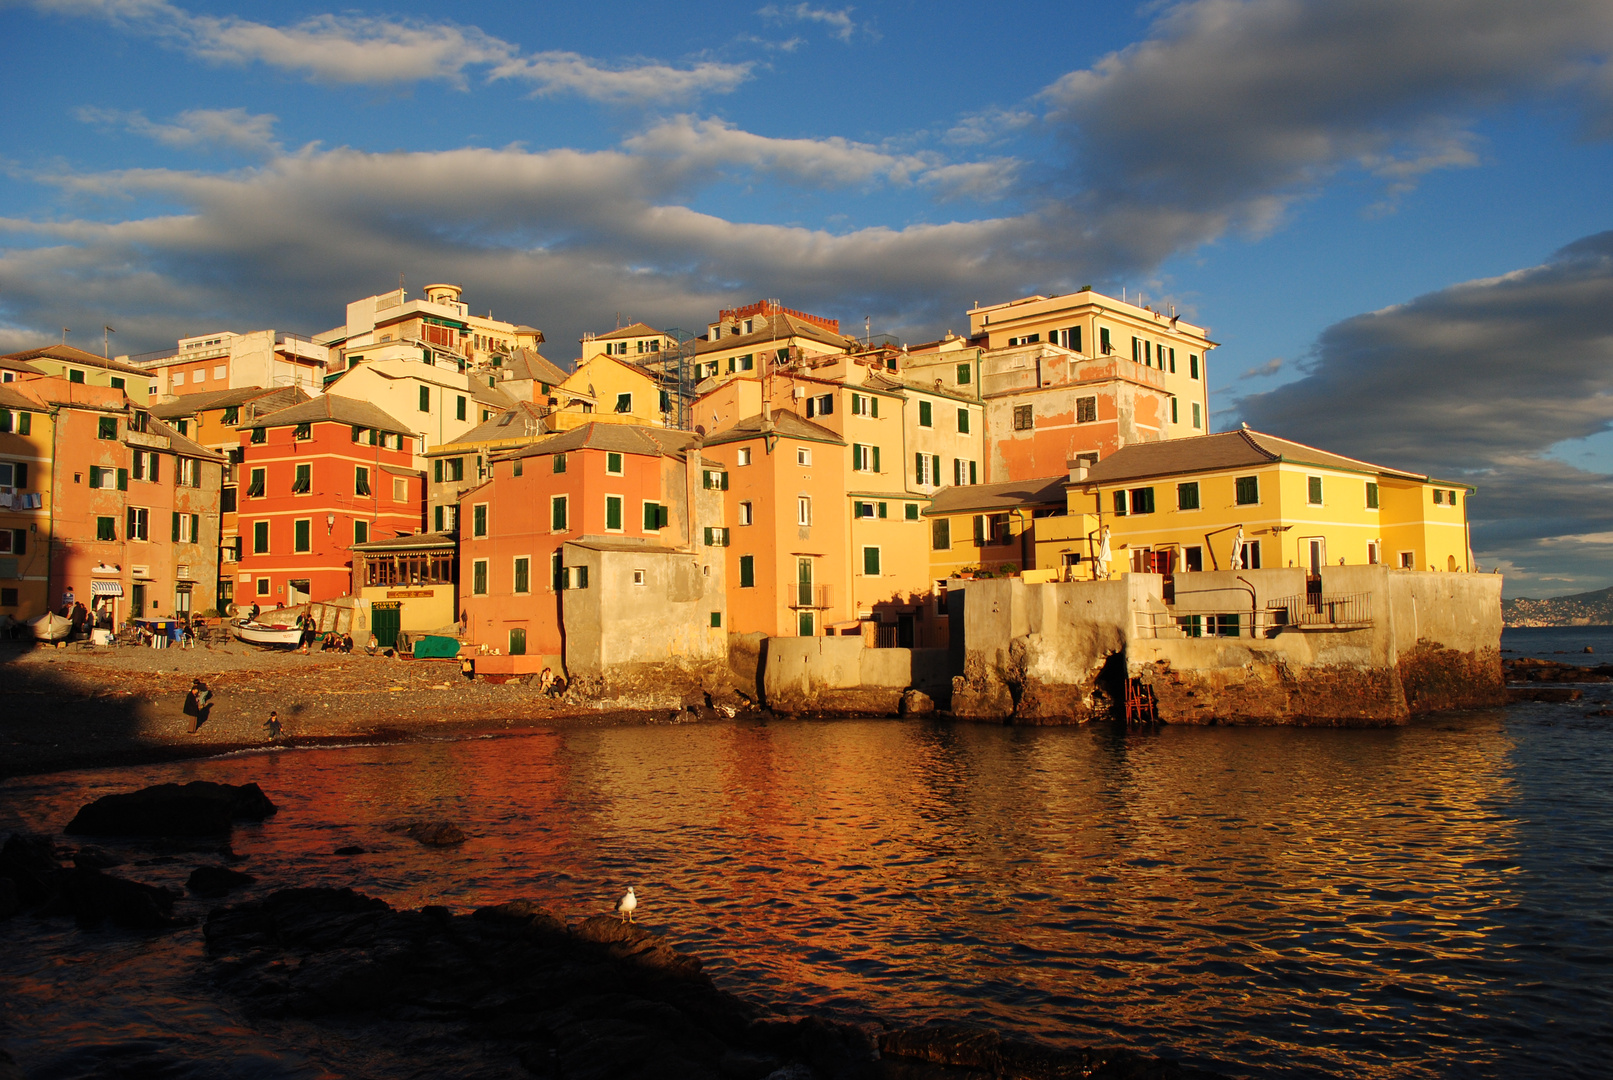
pixel 257 634
pixel 50 627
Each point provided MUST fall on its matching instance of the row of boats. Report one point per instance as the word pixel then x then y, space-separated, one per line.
pixel 51 627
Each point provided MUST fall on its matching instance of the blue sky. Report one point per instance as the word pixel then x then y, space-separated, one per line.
pixel 1392 213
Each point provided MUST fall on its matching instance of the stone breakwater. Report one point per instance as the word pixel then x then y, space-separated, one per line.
pixel 515 988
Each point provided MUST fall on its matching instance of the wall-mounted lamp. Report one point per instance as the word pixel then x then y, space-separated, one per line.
pixel 330 523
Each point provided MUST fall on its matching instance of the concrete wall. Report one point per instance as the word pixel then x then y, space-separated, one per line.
pixel 838 675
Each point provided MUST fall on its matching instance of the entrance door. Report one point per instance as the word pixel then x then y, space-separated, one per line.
pixel 904 631
pixel 518 641
pixel 182 602
pixel 296 592
pixel 384 624
pixel 137 601
pixel 803 582
pixel 1313 549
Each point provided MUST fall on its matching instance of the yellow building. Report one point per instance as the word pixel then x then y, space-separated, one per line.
pixel 605 390
pixel 991 528
pixel 78 366
pixel 641 342
pixel 1246 500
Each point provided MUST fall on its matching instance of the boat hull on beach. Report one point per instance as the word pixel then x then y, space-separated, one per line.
pixel 50 627
pixel 258 634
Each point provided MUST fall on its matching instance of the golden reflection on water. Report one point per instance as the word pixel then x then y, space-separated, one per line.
pixel 1289 898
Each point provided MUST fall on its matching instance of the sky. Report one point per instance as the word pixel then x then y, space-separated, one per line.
pixel 1392 214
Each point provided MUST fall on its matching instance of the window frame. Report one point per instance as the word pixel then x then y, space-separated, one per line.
pixel 260 537
pixel 479 583
pixel 803 511
pixel 521 567
pixel 1239 490
pixel 872 555
pixel 302 536
pixel 619 504
pixel 478 521
pixel 615 463
pixel 1313 491
pixel 1024 418
pixel 1188 491
pixel 559 511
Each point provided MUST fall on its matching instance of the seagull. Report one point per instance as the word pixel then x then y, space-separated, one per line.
pixel 628 905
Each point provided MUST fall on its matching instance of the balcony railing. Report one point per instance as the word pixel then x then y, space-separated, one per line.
pixel 812 596
pixel 1348 611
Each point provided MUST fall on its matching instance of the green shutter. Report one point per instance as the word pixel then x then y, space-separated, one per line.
pixel 557 514
pixel 856 457
pixel 613 512
pixel 660 517
pixel 881 509
pixel 123 479
pixel 963 421
pixel 195 528
pixel 302 537
pixel 176 527
pixel 436 519
pixel 650 517
pixel 95 476
pixel 425 399
pixel 941 534
pixel 876 459
pixel 871 561
pixel 747 571
pixel 924 414
pixel 873 404
pixel 910 512
pixel 1120 503
pixel 436 471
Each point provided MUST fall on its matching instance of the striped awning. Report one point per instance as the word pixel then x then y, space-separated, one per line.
pixel 106 588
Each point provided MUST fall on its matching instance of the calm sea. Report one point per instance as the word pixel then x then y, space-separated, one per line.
pixel 1430 901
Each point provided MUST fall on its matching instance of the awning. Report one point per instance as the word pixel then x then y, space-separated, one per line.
pixel 106 588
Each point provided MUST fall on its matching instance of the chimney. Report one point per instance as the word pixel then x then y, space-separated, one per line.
pixel 1078 470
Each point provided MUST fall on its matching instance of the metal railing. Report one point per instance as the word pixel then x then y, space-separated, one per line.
pixel 1317 610
pixel 812 596
pixel 1172 624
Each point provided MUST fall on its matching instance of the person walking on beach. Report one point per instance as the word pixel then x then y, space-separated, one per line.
pixel 198 703
pixel 273 725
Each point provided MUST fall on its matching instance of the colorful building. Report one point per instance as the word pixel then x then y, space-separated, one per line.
pixel 320 477
pixel 224 360
pixel 607 390
pixel 1247 500
pixel 537 539
pixel 409 584
pixel 991 528
pixel 458 466
pixel 75 366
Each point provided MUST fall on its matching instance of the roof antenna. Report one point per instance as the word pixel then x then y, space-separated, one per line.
pixel 65 332
pixel 106 342
pixel 868 324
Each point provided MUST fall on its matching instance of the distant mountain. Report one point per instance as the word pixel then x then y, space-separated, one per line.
pixel 1580 609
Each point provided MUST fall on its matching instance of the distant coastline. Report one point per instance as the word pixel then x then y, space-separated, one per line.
pixel 1576 610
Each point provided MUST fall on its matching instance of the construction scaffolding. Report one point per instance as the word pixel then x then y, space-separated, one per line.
pixel 677 377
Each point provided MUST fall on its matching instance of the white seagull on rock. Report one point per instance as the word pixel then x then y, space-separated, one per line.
pixel 628 905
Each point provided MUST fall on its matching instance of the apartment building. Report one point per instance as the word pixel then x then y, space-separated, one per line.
pixel 73 365
pixel 437 329
pixel 462 464
pixel 320 477
pixel 224 360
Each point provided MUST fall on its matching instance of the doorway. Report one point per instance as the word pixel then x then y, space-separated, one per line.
pixel 1313 550
pixel 137 600
pixel 385 620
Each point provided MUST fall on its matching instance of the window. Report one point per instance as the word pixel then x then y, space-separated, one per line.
pixel 870 562
pixel 1142 500
pixel 1374 553
pixel 965 471
pixel 716 537
pixel 361 480
pixel 926 469
pixel 515 466
pixel 924 414
pixel 303 483
pixel 613 464
pixel 106 427
pixel 1192 365
pixel 747 514
pixel 1313 490
pixel 117 383
pixel 864 405
pixel 963 421
pixel 613 513
pixel 716 620
pixel 425 399
pixel 714 479
pixel 302 535
pixel 1408 560
pixel 941 534
pixel 1197 421
pixel 1022 418
pixel 803 455
pixel 964 374
pixel 186 528
pixel 557 513
pixel 232 415
pixel 106 528
pixel 742 456
pixel 1439 497
pixel 1372 495
pixel 1193 558
pixel 263 586
pixel 101 477
pixel 437 519
pixel 260 435
pixel 523 574
pixel 187 472
pixel 910 511
pixel 1175 419
pixel 1187 496
pixel 624 403
pixel 803 510
pixel 822 405
pixel 226 500
pixel 302 431
pixel 638 577
pixel 459 408
pixel 260 538
pixel 864 458
pixel 1086 410
pixel 478 520
pixel 747 571
pixel 74 375
pixel 361 532
pixel 478 577
pixel 254 489
pixel 1120 502
pixel 400 489
pixel 559 462
pixel 1248 490
pixel 1251 555
pixel 992 529
pixel 139 520
pixel 655 517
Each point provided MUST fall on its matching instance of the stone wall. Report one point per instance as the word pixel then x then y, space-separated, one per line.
pixel 840 676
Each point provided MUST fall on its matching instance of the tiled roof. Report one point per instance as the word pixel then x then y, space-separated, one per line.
pixel 638 329
pixel 508 424
pixel 785 423
pixel 191 404
pixel 987 498
pixel 179 444
pixel 11 363
pixel 70 355
pixel 411 542
pixel 621 438
pixel 490 395
pixel 346 410
pixel 12 399
pixel 1228 450
pixel 775 329
pixel 600 543
pixel 525 363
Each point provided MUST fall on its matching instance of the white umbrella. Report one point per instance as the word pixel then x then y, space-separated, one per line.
pixel 1103 551
pixel 1237 551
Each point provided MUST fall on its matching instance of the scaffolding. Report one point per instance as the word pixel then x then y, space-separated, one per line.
pixel 677 377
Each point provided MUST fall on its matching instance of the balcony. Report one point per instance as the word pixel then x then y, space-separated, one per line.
pixel 1314 611
pixel 812 597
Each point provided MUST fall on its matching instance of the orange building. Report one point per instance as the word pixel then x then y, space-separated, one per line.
pixel 320 477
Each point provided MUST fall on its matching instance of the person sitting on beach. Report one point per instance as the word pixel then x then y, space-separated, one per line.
pixel 371 645
pixel 545 680
pixel 346 645
pixel 252 613
pixel 558 687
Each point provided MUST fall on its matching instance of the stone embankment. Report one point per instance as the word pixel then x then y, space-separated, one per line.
pixel 596 998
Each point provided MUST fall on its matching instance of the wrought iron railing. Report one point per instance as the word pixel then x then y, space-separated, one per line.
pixel 1320 610
pixel 812 596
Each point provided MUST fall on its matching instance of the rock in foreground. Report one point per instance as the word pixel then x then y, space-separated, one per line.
pixel 602 999
pixel 200 808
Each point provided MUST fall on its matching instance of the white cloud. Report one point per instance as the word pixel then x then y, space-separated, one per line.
pixel 370 50
pixel 982 181
pixel 1261 371
pixel 989 126
pixel 235 128
pixel 711 144
pixel 839 22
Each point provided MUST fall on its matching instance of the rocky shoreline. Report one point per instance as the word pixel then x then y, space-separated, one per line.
pixel 517 990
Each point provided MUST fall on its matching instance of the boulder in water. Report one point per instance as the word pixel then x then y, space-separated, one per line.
pixel 431 833
pixel 92 897
pixel 200 808
pixel 916 703
pixel 30 863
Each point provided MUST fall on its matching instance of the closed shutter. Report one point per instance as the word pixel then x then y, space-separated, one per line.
pixel 876 458
pixel 123 479
pixel 195 528
pixel 176 527
pixel 747 571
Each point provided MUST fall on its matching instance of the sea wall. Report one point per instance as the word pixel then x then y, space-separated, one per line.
pixel 1062 652
pixel 840 676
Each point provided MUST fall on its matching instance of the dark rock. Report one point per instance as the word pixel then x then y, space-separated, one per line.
pixel 431 833
pixel 216 881
pixel 200 808
pixel 93 858
pixel 8 1068
pixel 92 898
pixel 523 915
pixel 955 1051
pixel 633 943
pixel 350 849
pixel 1553 694
pixel 30 863
pixel 916 703
pixel 10 898
pixel 227 853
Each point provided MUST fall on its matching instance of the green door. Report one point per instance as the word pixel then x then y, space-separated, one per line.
pixel 518 641
pixel 384 621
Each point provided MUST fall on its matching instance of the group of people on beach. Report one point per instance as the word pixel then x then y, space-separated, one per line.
pixel 199 703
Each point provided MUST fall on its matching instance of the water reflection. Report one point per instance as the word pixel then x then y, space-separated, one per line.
pixel 1377 903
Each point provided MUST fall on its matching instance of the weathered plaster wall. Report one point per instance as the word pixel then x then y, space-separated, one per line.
pixel 840 675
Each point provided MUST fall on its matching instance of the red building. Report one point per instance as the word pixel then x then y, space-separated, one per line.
pixel 316 479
